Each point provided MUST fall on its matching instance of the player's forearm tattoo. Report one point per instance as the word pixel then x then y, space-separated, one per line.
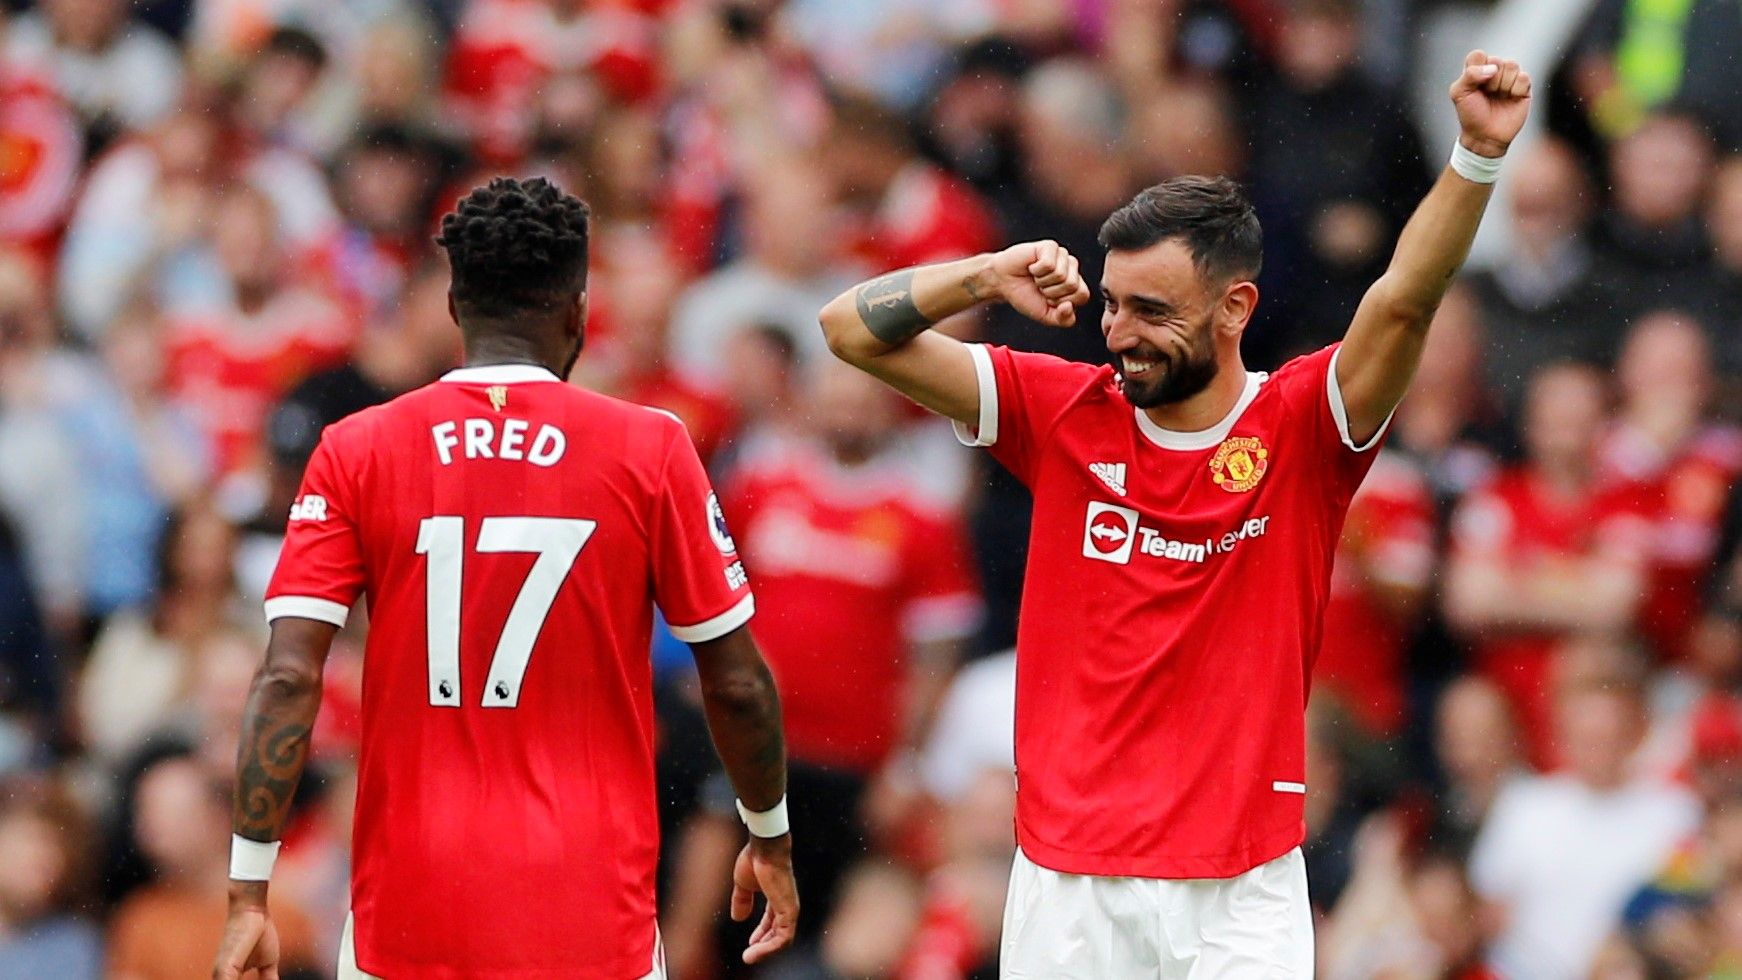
pixel 887 307
pixel 270 759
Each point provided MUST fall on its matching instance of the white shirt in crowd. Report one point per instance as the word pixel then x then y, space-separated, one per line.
pixel 975 728
pixel 1563 859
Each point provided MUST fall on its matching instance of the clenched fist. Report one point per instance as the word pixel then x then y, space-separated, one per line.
pixel 1041 281
pixel 1492 97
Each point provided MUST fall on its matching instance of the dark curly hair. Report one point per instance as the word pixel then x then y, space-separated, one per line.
pixel 515 247
pixel 1211 215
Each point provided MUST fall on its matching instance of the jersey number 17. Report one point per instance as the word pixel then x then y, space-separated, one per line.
pixel 557 541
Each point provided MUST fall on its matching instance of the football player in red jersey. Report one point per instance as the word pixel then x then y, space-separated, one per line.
pixel 1186 512
pixel 513 534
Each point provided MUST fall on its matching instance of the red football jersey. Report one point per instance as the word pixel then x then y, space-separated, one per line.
pixel 1388 539
pixel 513 534
pixel 230 367
pixel 1686 492
pixel 1518 522
pixel 1171 613
pixel 851 568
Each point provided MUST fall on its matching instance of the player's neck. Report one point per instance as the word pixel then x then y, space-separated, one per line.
pixel 1204 409
pixel 505 349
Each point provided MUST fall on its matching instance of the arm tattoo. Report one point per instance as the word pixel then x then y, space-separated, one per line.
pixel 270 759
pixel 886 305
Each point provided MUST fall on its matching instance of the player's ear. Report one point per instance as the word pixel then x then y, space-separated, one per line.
pixel 453 311
pixel 577 323
pixel 1238 303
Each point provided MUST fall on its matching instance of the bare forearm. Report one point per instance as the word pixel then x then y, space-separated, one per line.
pixel 743 713
pixel 274 749
pixel 280 715
pixel 884 313
pixel 1433 247
pixel 1491 597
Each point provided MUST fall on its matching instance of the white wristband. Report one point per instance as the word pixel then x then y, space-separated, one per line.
pixel 250 860
pixel 769 823
pixel 1473 166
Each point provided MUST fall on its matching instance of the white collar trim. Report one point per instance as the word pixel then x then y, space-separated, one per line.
pixel 1203 438
pixel 500 374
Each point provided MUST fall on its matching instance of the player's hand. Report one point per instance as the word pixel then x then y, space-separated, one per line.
pixel 1040 280
pixel 1492 97
pixel 250 939
pixel 765 865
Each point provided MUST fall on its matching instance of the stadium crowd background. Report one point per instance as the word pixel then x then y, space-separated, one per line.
pixel 215 221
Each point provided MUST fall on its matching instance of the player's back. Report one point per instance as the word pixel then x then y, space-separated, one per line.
pixel 512 533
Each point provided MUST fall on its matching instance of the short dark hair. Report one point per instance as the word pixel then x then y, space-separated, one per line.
pixel 515 247
pixel 294 42
pixel 1211 215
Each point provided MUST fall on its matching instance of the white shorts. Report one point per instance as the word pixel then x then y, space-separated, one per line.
pixel 348 969
pixel 1257 926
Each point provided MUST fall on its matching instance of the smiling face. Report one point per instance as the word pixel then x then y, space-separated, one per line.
pixel 1161 318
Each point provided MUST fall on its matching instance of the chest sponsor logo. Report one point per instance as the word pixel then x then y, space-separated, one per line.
pixel 1239 464
pixel 1109 532
pixel 1113 534
pixel 1112 474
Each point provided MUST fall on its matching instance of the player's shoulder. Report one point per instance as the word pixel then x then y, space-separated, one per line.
pixel 1060 378
pixel 1311 367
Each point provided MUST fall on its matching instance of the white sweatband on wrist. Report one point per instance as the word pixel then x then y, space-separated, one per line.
pixel 1473 166
pixel 769 823
pixel 250 860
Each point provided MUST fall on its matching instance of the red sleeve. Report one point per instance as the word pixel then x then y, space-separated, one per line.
pixel 1309 384
pixel 698 581
pixel 1022 396
pixel 320 569
pixel 941 600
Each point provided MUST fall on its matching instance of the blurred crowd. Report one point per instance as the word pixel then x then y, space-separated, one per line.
pixel 215 221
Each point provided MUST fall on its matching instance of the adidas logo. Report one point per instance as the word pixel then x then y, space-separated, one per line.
pixel 1112 474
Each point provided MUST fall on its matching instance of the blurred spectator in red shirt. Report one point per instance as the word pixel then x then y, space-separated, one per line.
pixel 908 211
pixel 1384 565
pixel 867 591
pixel 230 360
pixel 506 51
pixel 1544 553
pixel 1665 445
pixel 633 362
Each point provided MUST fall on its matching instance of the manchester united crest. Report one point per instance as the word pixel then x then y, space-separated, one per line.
pixel 1239 464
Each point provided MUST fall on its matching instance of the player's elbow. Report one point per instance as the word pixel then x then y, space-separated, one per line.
pixel 846 336
pixel 1404 304
pixel 287 678
pixel 743 692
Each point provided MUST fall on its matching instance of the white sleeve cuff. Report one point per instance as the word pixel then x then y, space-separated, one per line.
pixel 986 433
pixel 719 626
pixel 1334 395
pixel 307 607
